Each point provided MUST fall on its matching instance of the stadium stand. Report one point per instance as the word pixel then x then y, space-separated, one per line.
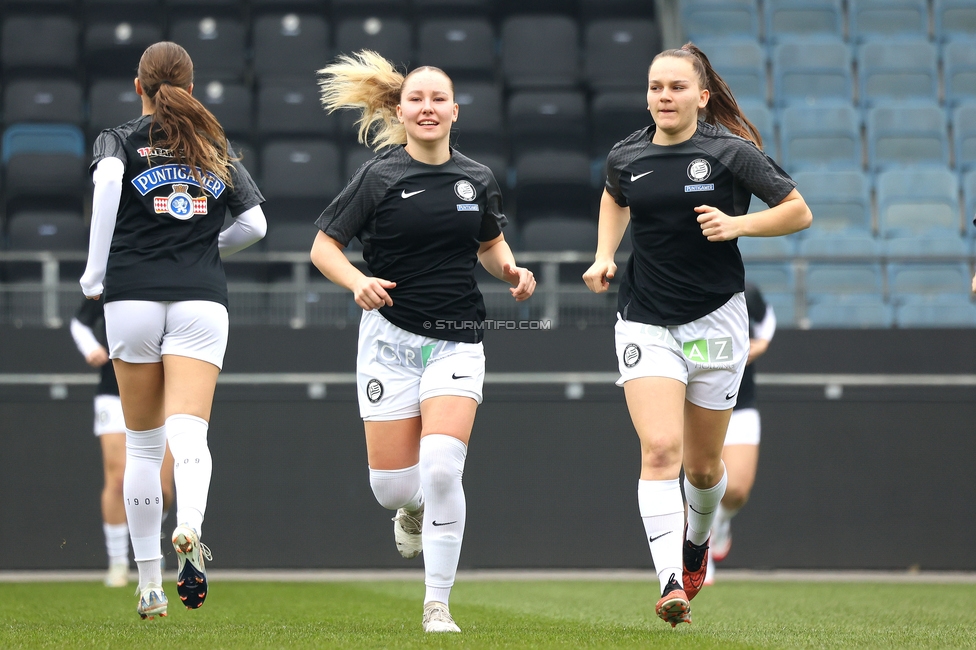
pixel 465 46
pixel 617 52
pixel 217 46
pixel 820 138
pixel 727 19
pixel 887 19
pixel 959 59
pixel 897 71
pixel 812 72
pixel 787 20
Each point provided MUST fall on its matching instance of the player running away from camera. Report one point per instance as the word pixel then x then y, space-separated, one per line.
pixel 88 332
pixel 163 182
pixel 682 335
pixel 425 215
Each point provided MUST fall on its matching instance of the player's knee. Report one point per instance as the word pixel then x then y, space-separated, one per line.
pixel 439 477
pixel 735 496
pixel 703 477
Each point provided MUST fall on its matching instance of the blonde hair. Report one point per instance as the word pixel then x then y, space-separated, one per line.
pixel 369 83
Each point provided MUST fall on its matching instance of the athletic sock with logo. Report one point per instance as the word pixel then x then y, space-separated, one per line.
pixel 441 468
pixel 397 488
pixel 143 495
pixel 117 542
pixel 702 505
pixel 663 513
pixel 187 435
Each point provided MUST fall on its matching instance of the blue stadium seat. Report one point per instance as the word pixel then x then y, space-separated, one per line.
pixel 954 20
pixel 840 201
pixel 762 118
pixel 785 20
pixel 826 138
pixel 784 307
pixel 389 36
pixel 617 52
pixel 289 45
pixel 885 19
pixel 840 245
pixel 912 201
pixel 969 201
pixel 812 73
pixel 929 279
pixel 771 277
pixel 964 136
pixel 959 59
pixel 42 138
pixel 824 278
pixel 936 311
pixel 900 136
pixel 897 71
pixel 710 19
pixel 849 312
pixel 465 46
pixel 540 51
pixel 756 248
pixel 742 64
pixel 935 242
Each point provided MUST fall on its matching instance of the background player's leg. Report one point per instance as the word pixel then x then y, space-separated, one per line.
pixel 113 509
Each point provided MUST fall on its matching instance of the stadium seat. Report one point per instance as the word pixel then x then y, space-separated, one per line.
pixel 969 201
pixel 480 123
pixel 742 64
pixel 762 118
pixel 900 136
pixel 839 245
pixel 812 73
pixel 113 47
pixel 554 184
pixel 553 120
pixel 787 20
pixel 959 59
pixel 354 158
pixel 929 279
pixel 936 311
pixel 559 234
pixel 840 202
pixel 540 51
pixel 729 19
pixel 771 277
pixel 615 8
pixel 386 8
pixel 292 108
pixel 42 138
pixel 825 278
pixel 390 37
pixel 935 242
pixel 40 43
pixel 231 103
pixel 954 20
pixel 299 179
pixel 849 312
pixel 886 19
pixel 111 103
pixel 43 100
pixel 897 71
pixel 617 53
pixel 964 136
pixel 289 45
pixel 912 201
pixel 290 237
pixel 827 138
pixel 614 116
pixel 758 248
pixel 216 45
pixel 465 46
pixel 455 7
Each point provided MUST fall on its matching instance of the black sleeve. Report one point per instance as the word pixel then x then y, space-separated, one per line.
pixel 623 153
pixel 108 144
pixel 356 204
pixel 89 312
pixel 244 192
pixel 757 172
pixel 494 217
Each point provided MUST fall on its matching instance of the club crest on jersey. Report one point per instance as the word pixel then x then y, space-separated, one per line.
pixel 699 170
pixel 169 174
pixel 465 191
pixel 180 204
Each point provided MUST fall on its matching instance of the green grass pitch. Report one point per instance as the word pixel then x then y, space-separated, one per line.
pixel 531 614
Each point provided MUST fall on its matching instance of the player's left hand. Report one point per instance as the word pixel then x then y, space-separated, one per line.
pixel 522 278
pixel 716 225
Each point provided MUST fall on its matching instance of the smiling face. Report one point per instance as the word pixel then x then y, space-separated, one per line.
pixel 427 108
pixel 674 97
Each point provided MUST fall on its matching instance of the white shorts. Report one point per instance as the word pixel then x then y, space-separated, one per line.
pixel 108 415
pixel 707 355
pixel 141 331
pixel 397 370
pixel 743 428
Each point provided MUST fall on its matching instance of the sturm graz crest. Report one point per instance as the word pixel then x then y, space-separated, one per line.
pixel 180 204
pixel 699 170
pixel 632 355
pixel 374 391
pixel 465 191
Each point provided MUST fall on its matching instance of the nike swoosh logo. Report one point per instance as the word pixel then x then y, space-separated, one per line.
pixel 406 195
pixel 654 539
pixel 455 376
pixel 446 523
pixel 634 178
pixel 731 395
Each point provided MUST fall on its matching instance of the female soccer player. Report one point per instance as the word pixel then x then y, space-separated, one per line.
pixel 88 331
pixel 741 451
pixel 425 215
pixel 163 182
pixel 682 333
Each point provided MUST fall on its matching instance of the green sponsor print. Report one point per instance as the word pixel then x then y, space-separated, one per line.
pixel 426 351
pixel 708 350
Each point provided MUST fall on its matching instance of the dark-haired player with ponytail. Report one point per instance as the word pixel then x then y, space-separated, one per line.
pixel 163 183
pixel 682 336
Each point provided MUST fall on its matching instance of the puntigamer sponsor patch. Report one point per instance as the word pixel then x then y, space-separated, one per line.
pixel 707 187
pixel 168 174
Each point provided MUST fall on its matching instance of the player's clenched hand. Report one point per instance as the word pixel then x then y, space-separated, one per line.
pixel 523 279
pixel 97 358
pixel 370 293
pixel 598 276
pixel 716 225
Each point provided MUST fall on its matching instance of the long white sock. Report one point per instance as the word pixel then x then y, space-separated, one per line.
pixel 397 488
pixel 702 505
pixel 663 513
pixel 117 542
pixel 441 469
pixel 723 515
pixel 143 495
pixel 187 435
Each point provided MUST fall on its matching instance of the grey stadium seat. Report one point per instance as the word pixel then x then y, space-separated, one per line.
pixel 292 108
pixel 299 179
pixel 289 45
pixel 216 45
pixel 547 120
pixel 464 46
pixel 617 53
pixel 540 51
pixel 390 37
pixel 43 100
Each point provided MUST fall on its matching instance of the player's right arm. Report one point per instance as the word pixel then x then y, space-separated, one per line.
pixel 614 219
pixel 369 292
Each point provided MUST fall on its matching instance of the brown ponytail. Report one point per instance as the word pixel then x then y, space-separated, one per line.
pixel 189 130
pixel 722 109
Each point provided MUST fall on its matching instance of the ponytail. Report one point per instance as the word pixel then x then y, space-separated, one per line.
pixel 189 131
pixel 722 109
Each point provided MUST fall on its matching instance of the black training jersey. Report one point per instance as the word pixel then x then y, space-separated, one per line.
pixel 91 314
pixel 421 226
pixel 165 243
pixel 756 306
pixel 675 275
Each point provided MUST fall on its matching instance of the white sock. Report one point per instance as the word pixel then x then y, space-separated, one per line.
pixel 187 435
pixel 117 543
pixel 143 495
pixel 397 488
pixel 441 469
pixel 724 515
pixel 150 571
pixel 663 513
pixel 702 505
